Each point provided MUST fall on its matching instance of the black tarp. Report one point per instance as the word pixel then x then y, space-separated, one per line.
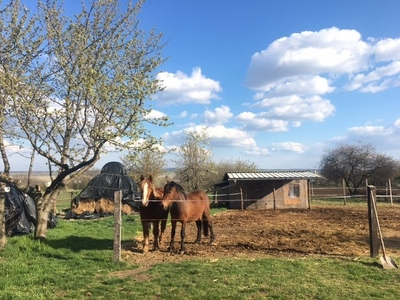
pixel 113 177
pixel 20 213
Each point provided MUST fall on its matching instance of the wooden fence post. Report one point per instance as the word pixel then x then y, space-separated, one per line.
pixel 373 228
pixel 241 198
pixel 117 226
pixel 274 198
pixel 3 239
pixel 390 192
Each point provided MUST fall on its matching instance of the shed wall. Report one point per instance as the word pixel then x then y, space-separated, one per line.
pixel 267 194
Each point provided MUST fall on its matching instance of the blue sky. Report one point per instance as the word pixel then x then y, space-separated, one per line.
pixel 278 82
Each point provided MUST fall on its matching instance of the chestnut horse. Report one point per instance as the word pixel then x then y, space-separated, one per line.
pixel 185 208
pixel 152 212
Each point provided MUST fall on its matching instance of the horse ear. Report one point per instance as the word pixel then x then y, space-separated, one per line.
pixel 151 178
pixel 141 177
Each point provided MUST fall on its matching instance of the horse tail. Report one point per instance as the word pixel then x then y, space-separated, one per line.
pixel 205 228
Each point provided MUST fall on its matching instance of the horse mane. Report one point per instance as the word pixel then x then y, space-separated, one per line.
pixel 158 193
pixel 172 184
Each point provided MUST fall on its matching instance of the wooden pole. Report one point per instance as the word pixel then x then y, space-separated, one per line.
pixel 274 199
pixel 117 226
pixel 373 227
pixel 309 194
pixel 3 239
pixel 390 192
pixel 241 198
pixel 344 193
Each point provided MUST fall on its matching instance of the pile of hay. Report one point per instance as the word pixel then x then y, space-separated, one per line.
pixel 97 199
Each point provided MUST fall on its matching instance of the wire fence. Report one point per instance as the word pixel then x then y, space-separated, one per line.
pixel 315 193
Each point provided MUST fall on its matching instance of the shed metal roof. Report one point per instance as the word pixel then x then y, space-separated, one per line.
pixel 272 175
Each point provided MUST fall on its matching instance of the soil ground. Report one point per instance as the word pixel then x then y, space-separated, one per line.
pixel 322 231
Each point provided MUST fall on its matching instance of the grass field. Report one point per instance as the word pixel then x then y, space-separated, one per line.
pixel 75 262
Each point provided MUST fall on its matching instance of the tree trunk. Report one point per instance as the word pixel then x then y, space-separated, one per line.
pixel 43 208
pixel 4 157
pixel 31 167
pixel 3 239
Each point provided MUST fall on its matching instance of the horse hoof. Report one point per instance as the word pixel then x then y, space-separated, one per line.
pixel 182 252
pixel 197 241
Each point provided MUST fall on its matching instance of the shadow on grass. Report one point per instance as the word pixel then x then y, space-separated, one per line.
pixel 79 243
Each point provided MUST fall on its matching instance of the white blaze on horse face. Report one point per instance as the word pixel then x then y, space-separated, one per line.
pixel 145 194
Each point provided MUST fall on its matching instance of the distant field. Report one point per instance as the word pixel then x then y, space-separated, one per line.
pixel 37 178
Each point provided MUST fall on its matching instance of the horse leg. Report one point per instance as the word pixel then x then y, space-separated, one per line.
pixel 163 226
pixel 199 225
pixel 173 229
pixel 146 230
pixel 205 227
pixel 183 234
pixel 156 232
pixel 210 226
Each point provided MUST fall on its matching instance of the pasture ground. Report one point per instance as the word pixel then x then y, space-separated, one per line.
pixel 325 231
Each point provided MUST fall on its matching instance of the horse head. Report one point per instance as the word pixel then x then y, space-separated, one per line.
pixel 172 192
pixel 146 188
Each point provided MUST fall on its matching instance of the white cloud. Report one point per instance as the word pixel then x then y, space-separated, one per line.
pixel 219 135
pixel 257 151
pixel 288 147
pixel 296 109
pixel 155 114
pixel 387 49
pixel 383 137
pixel 292 73
pixel 377 80
pixel 368 131
pixel 328 51
pixel 220 115
pixel 252 121
pixel 13 149
pixel 183 89
pixel 301 85
pixel 230 137
pixel 183 114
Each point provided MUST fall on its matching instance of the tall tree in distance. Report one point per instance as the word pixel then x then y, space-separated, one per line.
pixel 224 166
pixel 356 163
pixel 194 161
pixel 89 93
pixel 147 161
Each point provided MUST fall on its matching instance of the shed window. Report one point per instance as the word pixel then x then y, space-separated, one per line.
pixel 294 190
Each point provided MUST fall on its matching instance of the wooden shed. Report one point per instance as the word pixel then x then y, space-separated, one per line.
pixel 266 189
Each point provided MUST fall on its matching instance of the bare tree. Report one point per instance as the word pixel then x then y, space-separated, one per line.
pixel 194 162
pixel 224 166
pixel 356 163
pixel 88 93
pixel 148 161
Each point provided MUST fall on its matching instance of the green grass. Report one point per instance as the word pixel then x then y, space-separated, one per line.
pixel 75 262
pixel 64 199
pixel 76 255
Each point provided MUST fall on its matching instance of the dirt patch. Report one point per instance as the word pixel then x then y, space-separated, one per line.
pixel 322 231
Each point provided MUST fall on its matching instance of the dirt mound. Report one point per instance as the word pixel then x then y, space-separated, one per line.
pixel 325 231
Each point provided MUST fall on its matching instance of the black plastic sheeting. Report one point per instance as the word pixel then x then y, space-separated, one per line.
pixel 20 213
pixel 113 177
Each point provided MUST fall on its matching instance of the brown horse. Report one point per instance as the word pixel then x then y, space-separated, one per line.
pixel 152 212
pixel 185 208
